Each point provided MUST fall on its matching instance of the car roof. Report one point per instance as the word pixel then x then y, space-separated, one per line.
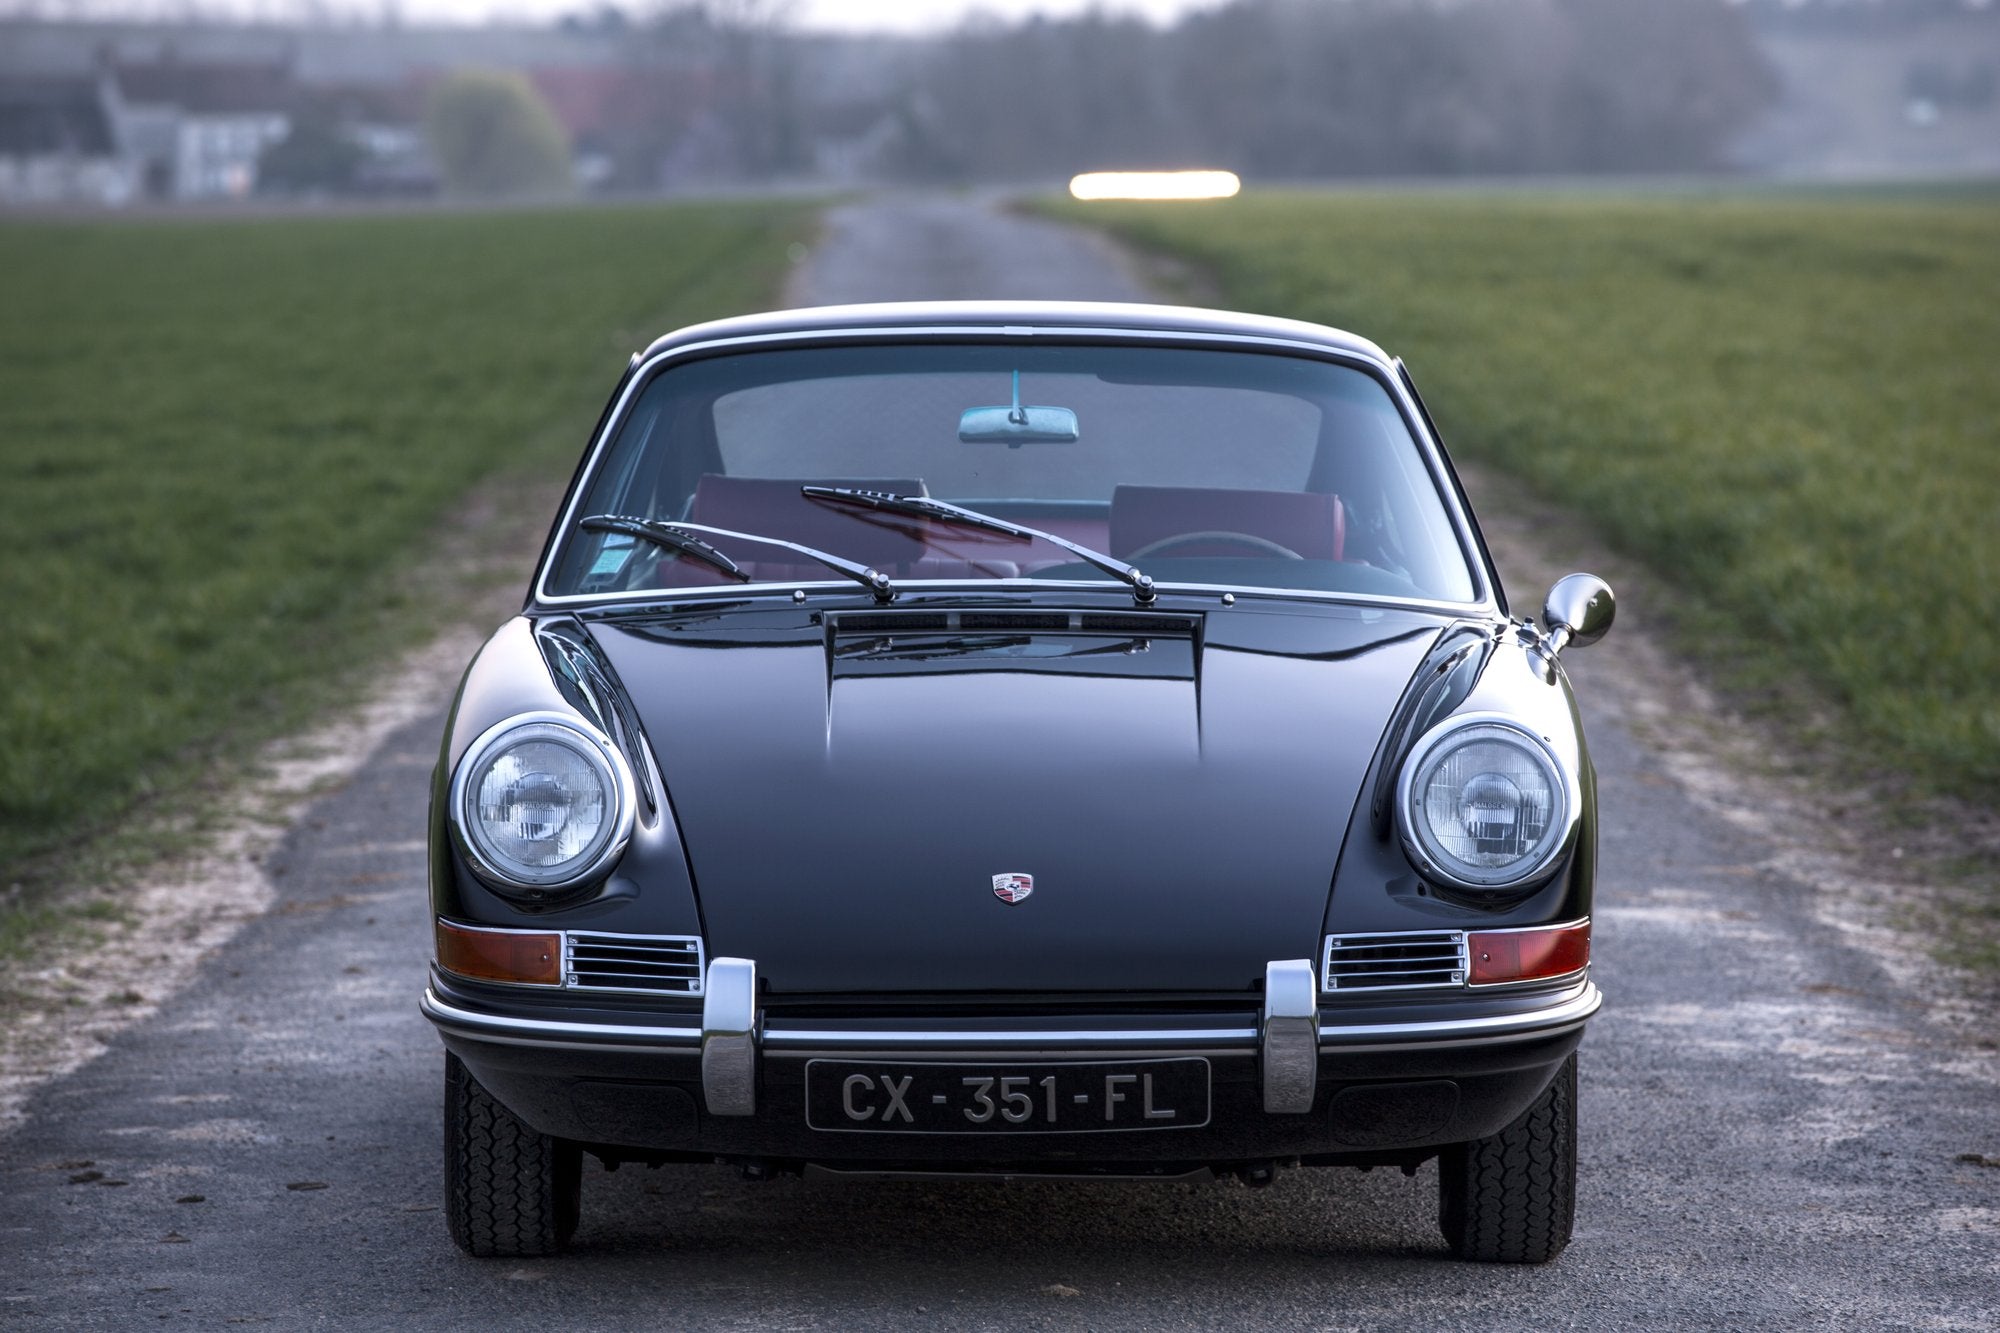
pixel 1035 316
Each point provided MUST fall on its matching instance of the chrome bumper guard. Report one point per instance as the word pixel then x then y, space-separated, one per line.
pixel 1289 1045
pixel 729 1038
pixel 1288 1042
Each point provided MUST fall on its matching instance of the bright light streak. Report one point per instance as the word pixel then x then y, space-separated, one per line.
pixel 1155 185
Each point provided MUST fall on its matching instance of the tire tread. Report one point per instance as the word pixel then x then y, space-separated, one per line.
pixel 1511 1198
pixel 510 1191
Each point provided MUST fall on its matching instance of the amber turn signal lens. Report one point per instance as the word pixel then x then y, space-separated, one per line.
pixel 1527 955
pixel 517 956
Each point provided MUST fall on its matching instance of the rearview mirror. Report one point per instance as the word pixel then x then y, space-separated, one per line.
pixel 1018 425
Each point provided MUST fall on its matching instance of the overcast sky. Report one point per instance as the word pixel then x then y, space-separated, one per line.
pixel 848 15
pixel 918 15
pixel 852 15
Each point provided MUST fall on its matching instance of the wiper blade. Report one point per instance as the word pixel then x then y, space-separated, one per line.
pixel 680 537
pixel 861 574
pixel 660 534
pixel 924 506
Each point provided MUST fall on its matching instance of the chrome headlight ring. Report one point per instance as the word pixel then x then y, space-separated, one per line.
pixel 569 791
pixel 1497 820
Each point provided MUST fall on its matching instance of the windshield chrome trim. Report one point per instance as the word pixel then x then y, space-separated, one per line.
pixel 738 591
pixel 1484 594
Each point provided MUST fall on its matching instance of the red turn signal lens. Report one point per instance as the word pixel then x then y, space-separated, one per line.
pixel 1527 955
pixel 517 956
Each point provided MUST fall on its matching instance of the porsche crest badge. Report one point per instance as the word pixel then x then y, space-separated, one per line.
pixel 1013 888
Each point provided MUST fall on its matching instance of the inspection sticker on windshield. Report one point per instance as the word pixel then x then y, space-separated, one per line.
pixel 617 547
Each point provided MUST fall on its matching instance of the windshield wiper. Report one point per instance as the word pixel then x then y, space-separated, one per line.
pixel 924 506
pixel 679 537
pixel 661 535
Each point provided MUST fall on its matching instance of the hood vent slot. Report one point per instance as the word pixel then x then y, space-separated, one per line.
pixel 1012 622
pixel 1136 624
pixel 896 622
pixel 656 964
pixel 1403 960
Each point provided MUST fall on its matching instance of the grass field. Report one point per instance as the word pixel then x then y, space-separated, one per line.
pixel 1788 405
pixel 223 442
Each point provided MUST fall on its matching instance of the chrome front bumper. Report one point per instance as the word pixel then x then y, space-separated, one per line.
pixel 1294 1033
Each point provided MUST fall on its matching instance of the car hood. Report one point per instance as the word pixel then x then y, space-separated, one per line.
pixel 1176 787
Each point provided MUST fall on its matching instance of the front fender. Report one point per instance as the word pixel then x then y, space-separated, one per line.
pixel 1376 888
pixel 648 890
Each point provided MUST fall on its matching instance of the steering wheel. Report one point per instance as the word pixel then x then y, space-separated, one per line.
pixel 1250 541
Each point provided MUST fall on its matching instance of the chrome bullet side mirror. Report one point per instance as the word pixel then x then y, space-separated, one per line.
pixel 1578 610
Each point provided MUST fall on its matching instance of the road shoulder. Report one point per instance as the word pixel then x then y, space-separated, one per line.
pixel 124 944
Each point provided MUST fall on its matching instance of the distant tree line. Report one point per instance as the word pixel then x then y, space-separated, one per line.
pixel 495 138
pixel 696 92
pixel 1863 18
pixel 1327 88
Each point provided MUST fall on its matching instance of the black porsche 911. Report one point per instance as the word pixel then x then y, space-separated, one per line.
pixel 1054 740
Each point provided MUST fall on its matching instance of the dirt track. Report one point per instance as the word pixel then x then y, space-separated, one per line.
pixel 1774 1102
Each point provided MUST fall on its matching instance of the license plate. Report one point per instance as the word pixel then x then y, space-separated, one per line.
pixel 1038 1098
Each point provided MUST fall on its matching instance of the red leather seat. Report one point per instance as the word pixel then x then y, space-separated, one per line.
pixel 1309 522
pixel 903 547
pixel 773 507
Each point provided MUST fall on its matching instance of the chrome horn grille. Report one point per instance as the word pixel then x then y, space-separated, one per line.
pixel 1396 960
pixel 653 964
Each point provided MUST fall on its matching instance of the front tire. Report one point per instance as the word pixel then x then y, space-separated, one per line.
pixel 1511 1198
pixel 509 1191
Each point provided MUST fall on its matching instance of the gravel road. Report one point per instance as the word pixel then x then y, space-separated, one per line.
pixel 1774 1111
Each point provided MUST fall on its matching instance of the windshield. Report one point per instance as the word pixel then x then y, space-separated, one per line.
pixel 1244 469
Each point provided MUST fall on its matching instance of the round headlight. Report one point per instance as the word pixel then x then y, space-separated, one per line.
pixel 541 804
pixel 1483 804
